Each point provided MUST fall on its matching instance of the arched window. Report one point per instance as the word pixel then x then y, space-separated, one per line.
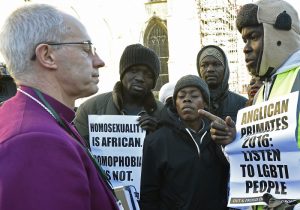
pixel 156 38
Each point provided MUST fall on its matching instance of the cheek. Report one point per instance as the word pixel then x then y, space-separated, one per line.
pixel 150 83
pixel 257 47
pixel 221 74
pixel 202 73
pixel 177 104
pixel 125 83
pixel 200 104
pixel 84 54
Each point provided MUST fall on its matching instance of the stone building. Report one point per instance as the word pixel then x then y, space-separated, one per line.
pixel 175 29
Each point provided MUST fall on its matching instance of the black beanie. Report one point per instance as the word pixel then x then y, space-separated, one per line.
pixel 137 54
pixel 192 81
pixel 247 16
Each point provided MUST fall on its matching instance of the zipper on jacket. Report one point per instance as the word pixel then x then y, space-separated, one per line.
pixel 198 149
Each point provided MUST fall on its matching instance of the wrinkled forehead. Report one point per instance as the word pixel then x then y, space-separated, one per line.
pixel 248 31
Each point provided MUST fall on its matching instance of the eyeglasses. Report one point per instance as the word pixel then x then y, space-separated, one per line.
pixel 88 46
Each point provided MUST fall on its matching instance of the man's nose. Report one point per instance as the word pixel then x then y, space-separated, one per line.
pixel 210 67
pixel 139 75
pixel 247 47
pixel 187 99
pixel 97 61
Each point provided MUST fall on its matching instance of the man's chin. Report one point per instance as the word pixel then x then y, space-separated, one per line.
pixel 89 92
pixel 212 85
pixel 138 93
pixel 253 73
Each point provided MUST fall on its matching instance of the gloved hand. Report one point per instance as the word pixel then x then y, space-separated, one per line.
pixel 147 122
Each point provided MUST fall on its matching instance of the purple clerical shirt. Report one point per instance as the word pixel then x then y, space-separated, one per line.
pixel 42 167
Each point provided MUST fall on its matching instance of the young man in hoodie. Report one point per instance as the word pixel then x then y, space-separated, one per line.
pixel 183 168
pixel 213 67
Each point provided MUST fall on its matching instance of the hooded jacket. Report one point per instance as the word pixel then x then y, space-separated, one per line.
pixel 223 102
pixel 110 103
pixel 180 171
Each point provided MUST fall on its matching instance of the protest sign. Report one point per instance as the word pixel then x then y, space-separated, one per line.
pixel 265 158
pixel 117 144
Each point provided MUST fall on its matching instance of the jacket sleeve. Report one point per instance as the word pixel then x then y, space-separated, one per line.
pixel 43 171
pixel 150 177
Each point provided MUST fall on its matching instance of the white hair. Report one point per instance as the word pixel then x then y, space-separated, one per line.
pixel 24 29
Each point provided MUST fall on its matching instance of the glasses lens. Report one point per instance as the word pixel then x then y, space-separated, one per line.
pixel 91 48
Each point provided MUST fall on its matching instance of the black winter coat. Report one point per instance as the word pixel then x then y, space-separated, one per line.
pixel 175 175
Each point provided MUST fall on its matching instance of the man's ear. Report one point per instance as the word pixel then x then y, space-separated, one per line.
pixel 44 54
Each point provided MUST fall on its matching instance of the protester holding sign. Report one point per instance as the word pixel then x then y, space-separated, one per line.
pixel 272 45
pixel 44 164
pixel 139 71
pixel 131 98
pixel 271 32
pixel 264 158
pixel 183 168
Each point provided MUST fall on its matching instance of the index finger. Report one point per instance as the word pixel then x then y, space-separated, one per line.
pixel 210 116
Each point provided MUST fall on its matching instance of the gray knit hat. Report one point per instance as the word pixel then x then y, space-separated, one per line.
pixel 192 81
pixel 137 54
pixel 210 50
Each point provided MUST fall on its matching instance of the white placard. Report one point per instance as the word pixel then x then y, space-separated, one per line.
pixel 265 158
pixel 117 144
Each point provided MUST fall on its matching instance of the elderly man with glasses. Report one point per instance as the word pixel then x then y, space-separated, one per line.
pixel 44 163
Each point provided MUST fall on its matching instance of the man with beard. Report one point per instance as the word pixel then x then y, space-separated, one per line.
pixel 213 67
pixel 139 70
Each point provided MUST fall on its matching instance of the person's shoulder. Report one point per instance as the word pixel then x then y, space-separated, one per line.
pixel 160 133
pixel 97 98
pixel 96 101
pixel 40 142
pixel 159 105
pixel 25 123
pixel 237 96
